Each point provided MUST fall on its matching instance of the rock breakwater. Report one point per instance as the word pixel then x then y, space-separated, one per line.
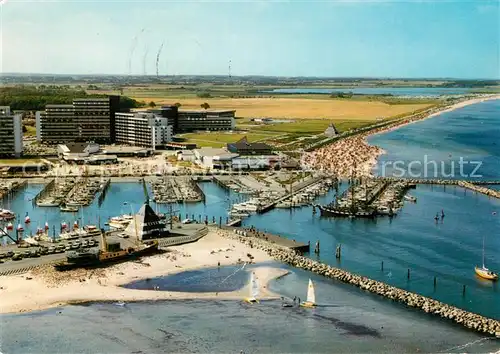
pixel 487 191
pixel 467 319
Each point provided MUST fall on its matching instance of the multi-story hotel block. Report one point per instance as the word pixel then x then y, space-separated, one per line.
pixel 11 133
pixel 98 120
pixel 144 129
pixel 188 121
pixel 85 120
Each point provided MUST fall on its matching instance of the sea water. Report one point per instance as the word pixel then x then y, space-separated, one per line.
pixel 460 144
pixel 447 250
pixel 346 320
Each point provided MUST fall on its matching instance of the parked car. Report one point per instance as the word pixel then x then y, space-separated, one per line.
pixel 10 253
pixel 51 250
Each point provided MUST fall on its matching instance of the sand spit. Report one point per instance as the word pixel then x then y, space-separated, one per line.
pixel 467 319
pixel 354 154
pixel 45 288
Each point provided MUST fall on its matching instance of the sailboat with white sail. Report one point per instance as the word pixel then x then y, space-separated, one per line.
pixel 254 290
pixel 311 296
pixel 484 272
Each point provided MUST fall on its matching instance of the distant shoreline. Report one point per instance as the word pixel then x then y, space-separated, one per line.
pixel 373 161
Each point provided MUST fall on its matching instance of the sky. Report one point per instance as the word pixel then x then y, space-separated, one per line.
pixel 336 38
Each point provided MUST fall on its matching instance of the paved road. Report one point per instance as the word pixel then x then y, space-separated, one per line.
pixel 27 264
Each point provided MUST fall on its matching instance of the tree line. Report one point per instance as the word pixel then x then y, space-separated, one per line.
pixel 33 98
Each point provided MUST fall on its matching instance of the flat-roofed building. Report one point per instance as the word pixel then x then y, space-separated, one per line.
pixel 57 124
pixel 212 120
pixel 214 158
pixel 85 120
pixel 11 133
pixel 95 119
pixel 144 129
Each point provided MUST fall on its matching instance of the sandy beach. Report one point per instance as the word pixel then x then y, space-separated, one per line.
pixel 45 288
pixel 354 155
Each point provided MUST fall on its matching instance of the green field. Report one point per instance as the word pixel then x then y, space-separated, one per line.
pixel 18 162
pixel 310 126
pixel 221 139
pixel 30 130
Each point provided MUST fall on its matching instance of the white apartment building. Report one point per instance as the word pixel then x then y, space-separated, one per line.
pixel 11 133
pixel 142 129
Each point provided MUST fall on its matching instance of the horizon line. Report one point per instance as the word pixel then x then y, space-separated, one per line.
pixel 253 75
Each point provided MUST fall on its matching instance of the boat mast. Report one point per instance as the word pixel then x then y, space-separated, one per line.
pixel 483 252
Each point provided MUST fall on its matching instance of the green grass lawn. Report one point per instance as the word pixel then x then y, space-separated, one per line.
pixel 30 130
pixel 13 162
pixel 310 126
pixel 222 139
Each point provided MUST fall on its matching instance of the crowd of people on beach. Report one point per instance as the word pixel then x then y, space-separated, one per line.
pixel 345 157
pixel 353 156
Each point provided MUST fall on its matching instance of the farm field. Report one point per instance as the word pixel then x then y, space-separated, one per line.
pixel 293 108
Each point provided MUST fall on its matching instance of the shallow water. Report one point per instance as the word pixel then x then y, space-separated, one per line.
pixel 346 320
pixel 228 278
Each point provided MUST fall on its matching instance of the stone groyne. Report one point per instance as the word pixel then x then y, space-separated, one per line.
pixel 467 319
pixel 487 191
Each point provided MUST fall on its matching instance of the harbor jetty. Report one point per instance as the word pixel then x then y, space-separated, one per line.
pixel 286 255
pixel 55 192
pixel 369 198
pixel 84 191
pixel 480 189
pixel 176 190
pixel 10 185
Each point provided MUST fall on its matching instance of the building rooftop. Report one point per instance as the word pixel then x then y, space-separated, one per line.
pixel 75 148
pixel 243 144
pixel 59 106
pixel 123 148
pixel 207 111
pixel 215 152
pixel 91 99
